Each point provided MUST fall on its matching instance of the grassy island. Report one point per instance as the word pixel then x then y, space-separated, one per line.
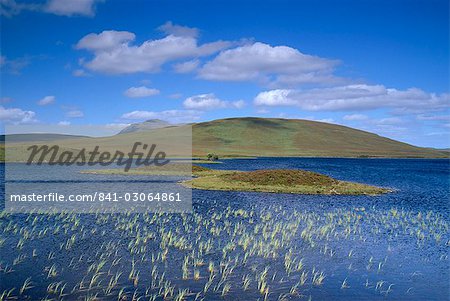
pixel 279 181
pixel 275 181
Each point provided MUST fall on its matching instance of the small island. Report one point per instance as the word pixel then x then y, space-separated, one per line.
pixel 274 181
pixel 278 181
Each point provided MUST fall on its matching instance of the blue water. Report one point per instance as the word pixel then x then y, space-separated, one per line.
pixel 389 247
pixel 420 184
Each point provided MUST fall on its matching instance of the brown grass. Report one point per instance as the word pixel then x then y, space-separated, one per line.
pixel 280 177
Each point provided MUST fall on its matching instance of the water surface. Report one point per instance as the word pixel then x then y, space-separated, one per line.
pixel 393 246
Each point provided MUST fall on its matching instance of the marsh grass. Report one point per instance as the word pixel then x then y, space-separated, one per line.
pixel 270 253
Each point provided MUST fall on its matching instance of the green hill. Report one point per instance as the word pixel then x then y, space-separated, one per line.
pixel 292 137
pixel 251 137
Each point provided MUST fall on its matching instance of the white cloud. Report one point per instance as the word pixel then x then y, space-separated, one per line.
pixel 14 66
pixel 175 95
pixel 238 104
pixel 107 40
pixel 138 92
pixel 277 97
pixel 209 101
pixel 433 117
pixel 80 73
pixel 16 115
pixel 114 52
pixel 263 62
pixel 116 126
pixel 174 116
pixel 71 7
pixel 203 102
pixel 355 97
pixel 312 118
pixel 9 8
pixel 326 120
pixel 47 100
pixel 390 121
pixel 64 123
pixel 182 31
pixel 445 134
pixel 74 114
pixel 355 117
pixel 186 67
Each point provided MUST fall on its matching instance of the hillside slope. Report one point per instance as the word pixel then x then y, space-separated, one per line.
pixel 292 137
pixel 257 137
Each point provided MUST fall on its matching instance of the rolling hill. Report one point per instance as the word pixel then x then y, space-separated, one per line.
pixel 295 137
pixel 256 137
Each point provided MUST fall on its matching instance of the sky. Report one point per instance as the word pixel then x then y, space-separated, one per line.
pixel 379 66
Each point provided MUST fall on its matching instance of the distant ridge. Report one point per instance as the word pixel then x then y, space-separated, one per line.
pixel 147 125
pixel 37 137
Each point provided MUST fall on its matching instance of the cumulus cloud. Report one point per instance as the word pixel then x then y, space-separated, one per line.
pixel 182 31
pixel 9 8
pixel 116 126
pixel 433 117
pixel 262 62
pixel 107 40
pixel 71 7
pixel 14 66
pixel 174 116
pixel 390 121
pixel 204 102
pixel 80 73
pixel 238 104
pixel 142 91
pixel 186 67
pixel 74 114
pixel 114 52
pixel 326 120
pixel 47 100
pixel 355 117
pixel 16 115
pixel 355 97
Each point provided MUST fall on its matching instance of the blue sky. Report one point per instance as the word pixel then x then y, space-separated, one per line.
pixel 381 66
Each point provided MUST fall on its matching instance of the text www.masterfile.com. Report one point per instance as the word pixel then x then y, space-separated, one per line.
pixel 98 197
